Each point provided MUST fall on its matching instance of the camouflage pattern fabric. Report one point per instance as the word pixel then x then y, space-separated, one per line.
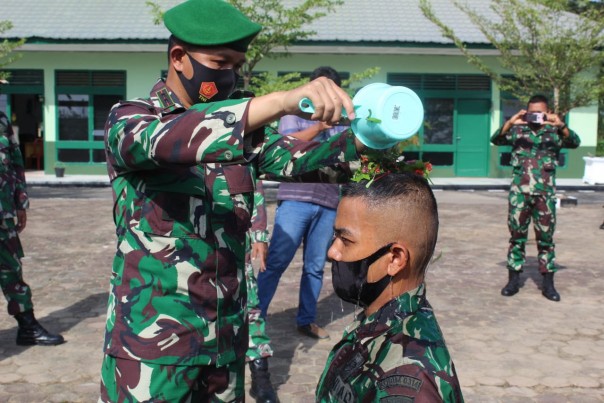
pixel 542 210
pixel 397 354
pixel 127 380
pixel 183 182
pixel 532 191
pixel 259 342
pixel 13 197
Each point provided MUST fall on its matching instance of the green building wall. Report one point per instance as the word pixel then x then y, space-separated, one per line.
pixel 144 68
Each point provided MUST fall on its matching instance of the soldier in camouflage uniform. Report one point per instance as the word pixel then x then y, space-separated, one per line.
pixel 394 351
pixel 259 349
pixel 13 202
pixel 535 150
pixel 183 165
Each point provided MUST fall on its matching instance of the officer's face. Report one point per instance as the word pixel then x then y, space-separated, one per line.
pixel 537 107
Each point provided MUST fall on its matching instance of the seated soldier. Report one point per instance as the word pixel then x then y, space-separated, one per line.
pixel 384 238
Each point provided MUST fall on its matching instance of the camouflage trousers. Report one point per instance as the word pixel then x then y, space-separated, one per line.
pixel 16 291
pixel 259 342
pixel 541 208
pixel 131 381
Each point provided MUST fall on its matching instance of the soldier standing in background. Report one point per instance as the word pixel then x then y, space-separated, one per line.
pixel 13 217
pixel 384 238
pixel 536 137
pixel 183 164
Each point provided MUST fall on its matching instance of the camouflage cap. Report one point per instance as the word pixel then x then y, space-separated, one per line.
pixel 211 23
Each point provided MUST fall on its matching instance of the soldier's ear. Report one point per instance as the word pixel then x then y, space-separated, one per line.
pixel 399 260
pixel 177 56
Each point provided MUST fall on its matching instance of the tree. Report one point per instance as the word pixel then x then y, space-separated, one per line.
pixel 6 49
pixel 544 48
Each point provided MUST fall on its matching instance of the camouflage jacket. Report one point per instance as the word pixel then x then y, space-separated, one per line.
pixel 396 354
pixel 13 191
pixel 534 156
pixel 259 229
pixel 183 182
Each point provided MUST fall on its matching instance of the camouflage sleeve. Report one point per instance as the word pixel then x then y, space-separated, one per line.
pixel 286 158
pixel 572 141
pixel 259 231
pixel 16 161
pixel 139 138
pixel 501 139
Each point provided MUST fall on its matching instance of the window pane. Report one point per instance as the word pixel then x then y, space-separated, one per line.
pixel 411 155
pixel 73 117
pixel 68 155
pixel 98 156
pixel 438 126
pixel 438 158
pixel 102 106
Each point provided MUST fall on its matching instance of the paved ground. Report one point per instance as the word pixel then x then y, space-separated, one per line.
pixel 519 349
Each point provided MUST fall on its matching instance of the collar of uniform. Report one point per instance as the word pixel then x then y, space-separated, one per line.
pixel 383 319
pixel 166 98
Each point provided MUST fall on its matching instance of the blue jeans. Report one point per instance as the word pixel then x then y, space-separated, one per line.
pixel 296 222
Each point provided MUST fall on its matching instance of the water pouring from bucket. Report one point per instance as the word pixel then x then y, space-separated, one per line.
pixel 385 114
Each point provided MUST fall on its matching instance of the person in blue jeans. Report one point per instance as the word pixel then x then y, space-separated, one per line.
pixel 305 214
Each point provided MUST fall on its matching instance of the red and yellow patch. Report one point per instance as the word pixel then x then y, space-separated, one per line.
pixel 208 90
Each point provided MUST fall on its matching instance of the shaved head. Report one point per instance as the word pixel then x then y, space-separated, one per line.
pixel 402 209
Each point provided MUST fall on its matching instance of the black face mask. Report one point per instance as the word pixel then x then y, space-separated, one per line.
pixel 349 279
pixel 208 85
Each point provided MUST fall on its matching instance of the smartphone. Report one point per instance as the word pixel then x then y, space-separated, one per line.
pixel 535 117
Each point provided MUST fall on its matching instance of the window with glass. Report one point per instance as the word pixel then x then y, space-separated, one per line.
pixel 84 99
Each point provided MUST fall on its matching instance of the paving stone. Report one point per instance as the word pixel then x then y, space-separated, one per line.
pixel 519 349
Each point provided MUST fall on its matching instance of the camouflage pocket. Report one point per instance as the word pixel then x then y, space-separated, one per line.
pixel 171 215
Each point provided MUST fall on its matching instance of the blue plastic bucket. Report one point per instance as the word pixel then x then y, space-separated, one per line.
pixel 385 114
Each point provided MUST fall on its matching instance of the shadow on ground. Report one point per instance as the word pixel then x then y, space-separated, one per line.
pixel 57 322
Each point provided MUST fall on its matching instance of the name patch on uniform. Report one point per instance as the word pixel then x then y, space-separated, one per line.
pixel 400 380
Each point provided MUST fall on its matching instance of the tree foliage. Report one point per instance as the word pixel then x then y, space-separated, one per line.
pixel 6 49
pixel 544 47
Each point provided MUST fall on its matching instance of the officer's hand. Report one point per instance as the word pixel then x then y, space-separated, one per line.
pixel 554 120
pixel 327 98
pixel 518 119
pixel 21 220
pixel 260 251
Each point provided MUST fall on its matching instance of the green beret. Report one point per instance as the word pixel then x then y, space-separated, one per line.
pixel 211 23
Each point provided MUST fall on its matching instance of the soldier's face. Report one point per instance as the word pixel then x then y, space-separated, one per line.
pixel 356 236
pixel 218 58
pixel 537 107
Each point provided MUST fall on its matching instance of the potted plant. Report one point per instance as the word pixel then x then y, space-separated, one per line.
pixel 59 169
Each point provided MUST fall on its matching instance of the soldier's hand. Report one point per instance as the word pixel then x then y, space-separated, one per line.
pixel 260 251
pixel 21 220
pixel 327 98
pixel 518 119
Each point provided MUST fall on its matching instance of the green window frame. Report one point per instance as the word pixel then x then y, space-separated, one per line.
pixel 440 93
pixel 83 99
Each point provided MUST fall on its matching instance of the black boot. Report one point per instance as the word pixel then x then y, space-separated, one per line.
pixel 31 332
pixel 513 285
pixel 548 289
pixel 262 389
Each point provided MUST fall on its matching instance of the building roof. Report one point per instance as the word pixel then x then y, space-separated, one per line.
pixel 356 21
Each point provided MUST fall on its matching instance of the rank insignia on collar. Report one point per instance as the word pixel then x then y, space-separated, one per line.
pixel 165 99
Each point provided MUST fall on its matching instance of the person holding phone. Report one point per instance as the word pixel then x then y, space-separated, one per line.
pixel 536 136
